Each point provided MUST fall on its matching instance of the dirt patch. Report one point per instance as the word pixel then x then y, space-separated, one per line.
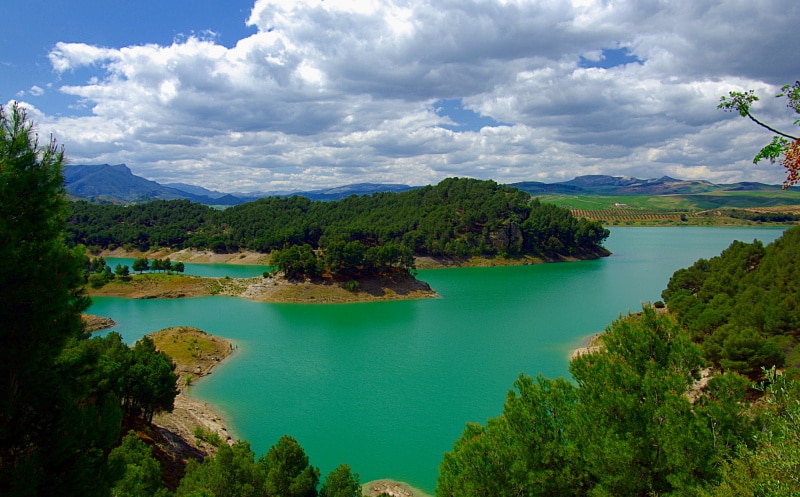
pixel 96 323
pixel 391 488
pixel 329 292
pixel 193 256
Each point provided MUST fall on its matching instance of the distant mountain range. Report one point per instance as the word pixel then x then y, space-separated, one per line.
pixel 117 184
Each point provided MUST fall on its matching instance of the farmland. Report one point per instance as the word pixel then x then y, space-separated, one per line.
pixel 718 208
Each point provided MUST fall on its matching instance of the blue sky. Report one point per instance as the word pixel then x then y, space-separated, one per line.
pixel 265 95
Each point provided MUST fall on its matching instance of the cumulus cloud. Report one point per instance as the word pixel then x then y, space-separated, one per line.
pixel 335 91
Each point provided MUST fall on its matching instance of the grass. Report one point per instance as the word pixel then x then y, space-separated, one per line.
pixel 191 348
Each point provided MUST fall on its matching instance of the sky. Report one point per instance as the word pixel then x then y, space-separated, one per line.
pixel 288 95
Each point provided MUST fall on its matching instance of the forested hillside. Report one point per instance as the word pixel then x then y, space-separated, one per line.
pixel 638 420
pixel 743 305
pixel 458 217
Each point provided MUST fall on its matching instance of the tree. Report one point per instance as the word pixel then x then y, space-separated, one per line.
pixel 152 387
pixel 784 146
pixel 288 472
pixel 41 281
pixel 639 434
pixel 141 264
pixel 123 272
pixel 142 472
pixel 341 482
pixel 233 472
pixel 528 450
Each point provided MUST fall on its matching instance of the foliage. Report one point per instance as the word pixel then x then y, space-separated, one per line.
pixel 784 146
pixel 282 472
pixel 355 236
pixel 627 428
pixel 341 482
pixel 152 381
pixel 41 283
pixel 233 472
pixel 741 306
pixel 142 472
pixel 288 472
pixel 770 466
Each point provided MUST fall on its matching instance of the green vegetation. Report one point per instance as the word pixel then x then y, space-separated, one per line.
pixel 784 147
pixel 741 306
pixel 283 471
pixel 636 421
pixel 357 236
pixel 724 207
pixel 626 428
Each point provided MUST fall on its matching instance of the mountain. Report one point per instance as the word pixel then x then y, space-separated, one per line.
pixel 196 190
pixel 598 184
pixel 117 184
pixel 341 192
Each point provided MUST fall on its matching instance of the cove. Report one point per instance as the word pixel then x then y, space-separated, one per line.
pixel 387 387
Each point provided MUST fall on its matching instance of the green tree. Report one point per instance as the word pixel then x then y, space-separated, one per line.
pixel 772 465
pixel 232 472
pixel 784 146
pixel 41 283
pixel 638 432
pixel 341 482
pixel 152 380
pixel 288 472
pixel 142 472
pixel 122 272
pixel 141 264
pixel 526 451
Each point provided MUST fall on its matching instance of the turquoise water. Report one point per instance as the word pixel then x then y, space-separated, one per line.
pixel 387 387
pixel 204 270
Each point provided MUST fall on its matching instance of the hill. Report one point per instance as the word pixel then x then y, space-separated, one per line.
pixel 116 184
pixel 626 185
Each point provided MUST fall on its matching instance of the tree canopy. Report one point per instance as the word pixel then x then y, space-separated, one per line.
pixel 627 427
pixel 784 146
pixel 380 233
pixel 742 306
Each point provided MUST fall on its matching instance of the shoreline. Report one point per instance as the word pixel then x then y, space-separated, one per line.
pixel 250 258
pixel 188 412
pixel 260 289
pixel 589 344
pixel 179 428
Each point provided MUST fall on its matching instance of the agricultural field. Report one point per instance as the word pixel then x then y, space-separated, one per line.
pixel 718 208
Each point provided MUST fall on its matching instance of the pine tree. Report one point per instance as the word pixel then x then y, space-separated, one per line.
pixel 41 451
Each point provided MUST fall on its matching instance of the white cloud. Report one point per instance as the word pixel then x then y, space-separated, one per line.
pixel 335 91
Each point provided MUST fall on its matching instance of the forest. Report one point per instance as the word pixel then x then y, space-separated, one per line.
pixel 702 399
pixel 377 233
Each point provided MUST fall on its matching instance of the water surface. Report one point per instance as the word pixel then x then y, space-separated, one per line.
pixel 387 387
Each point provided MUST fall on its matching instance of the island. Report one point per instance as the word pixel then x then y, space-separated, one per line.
pixel 360 248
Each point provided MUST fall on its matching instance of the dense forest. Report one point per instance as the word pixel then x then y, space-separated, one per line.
pixel 382 232
pixel 639 417
pixel 742 306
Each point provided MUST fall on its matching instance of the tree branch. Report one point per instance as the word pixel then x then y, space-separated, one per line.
pixel 764 125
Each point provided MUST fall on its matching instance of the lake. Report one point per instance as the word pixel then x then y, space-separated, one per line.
pixel 387 387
